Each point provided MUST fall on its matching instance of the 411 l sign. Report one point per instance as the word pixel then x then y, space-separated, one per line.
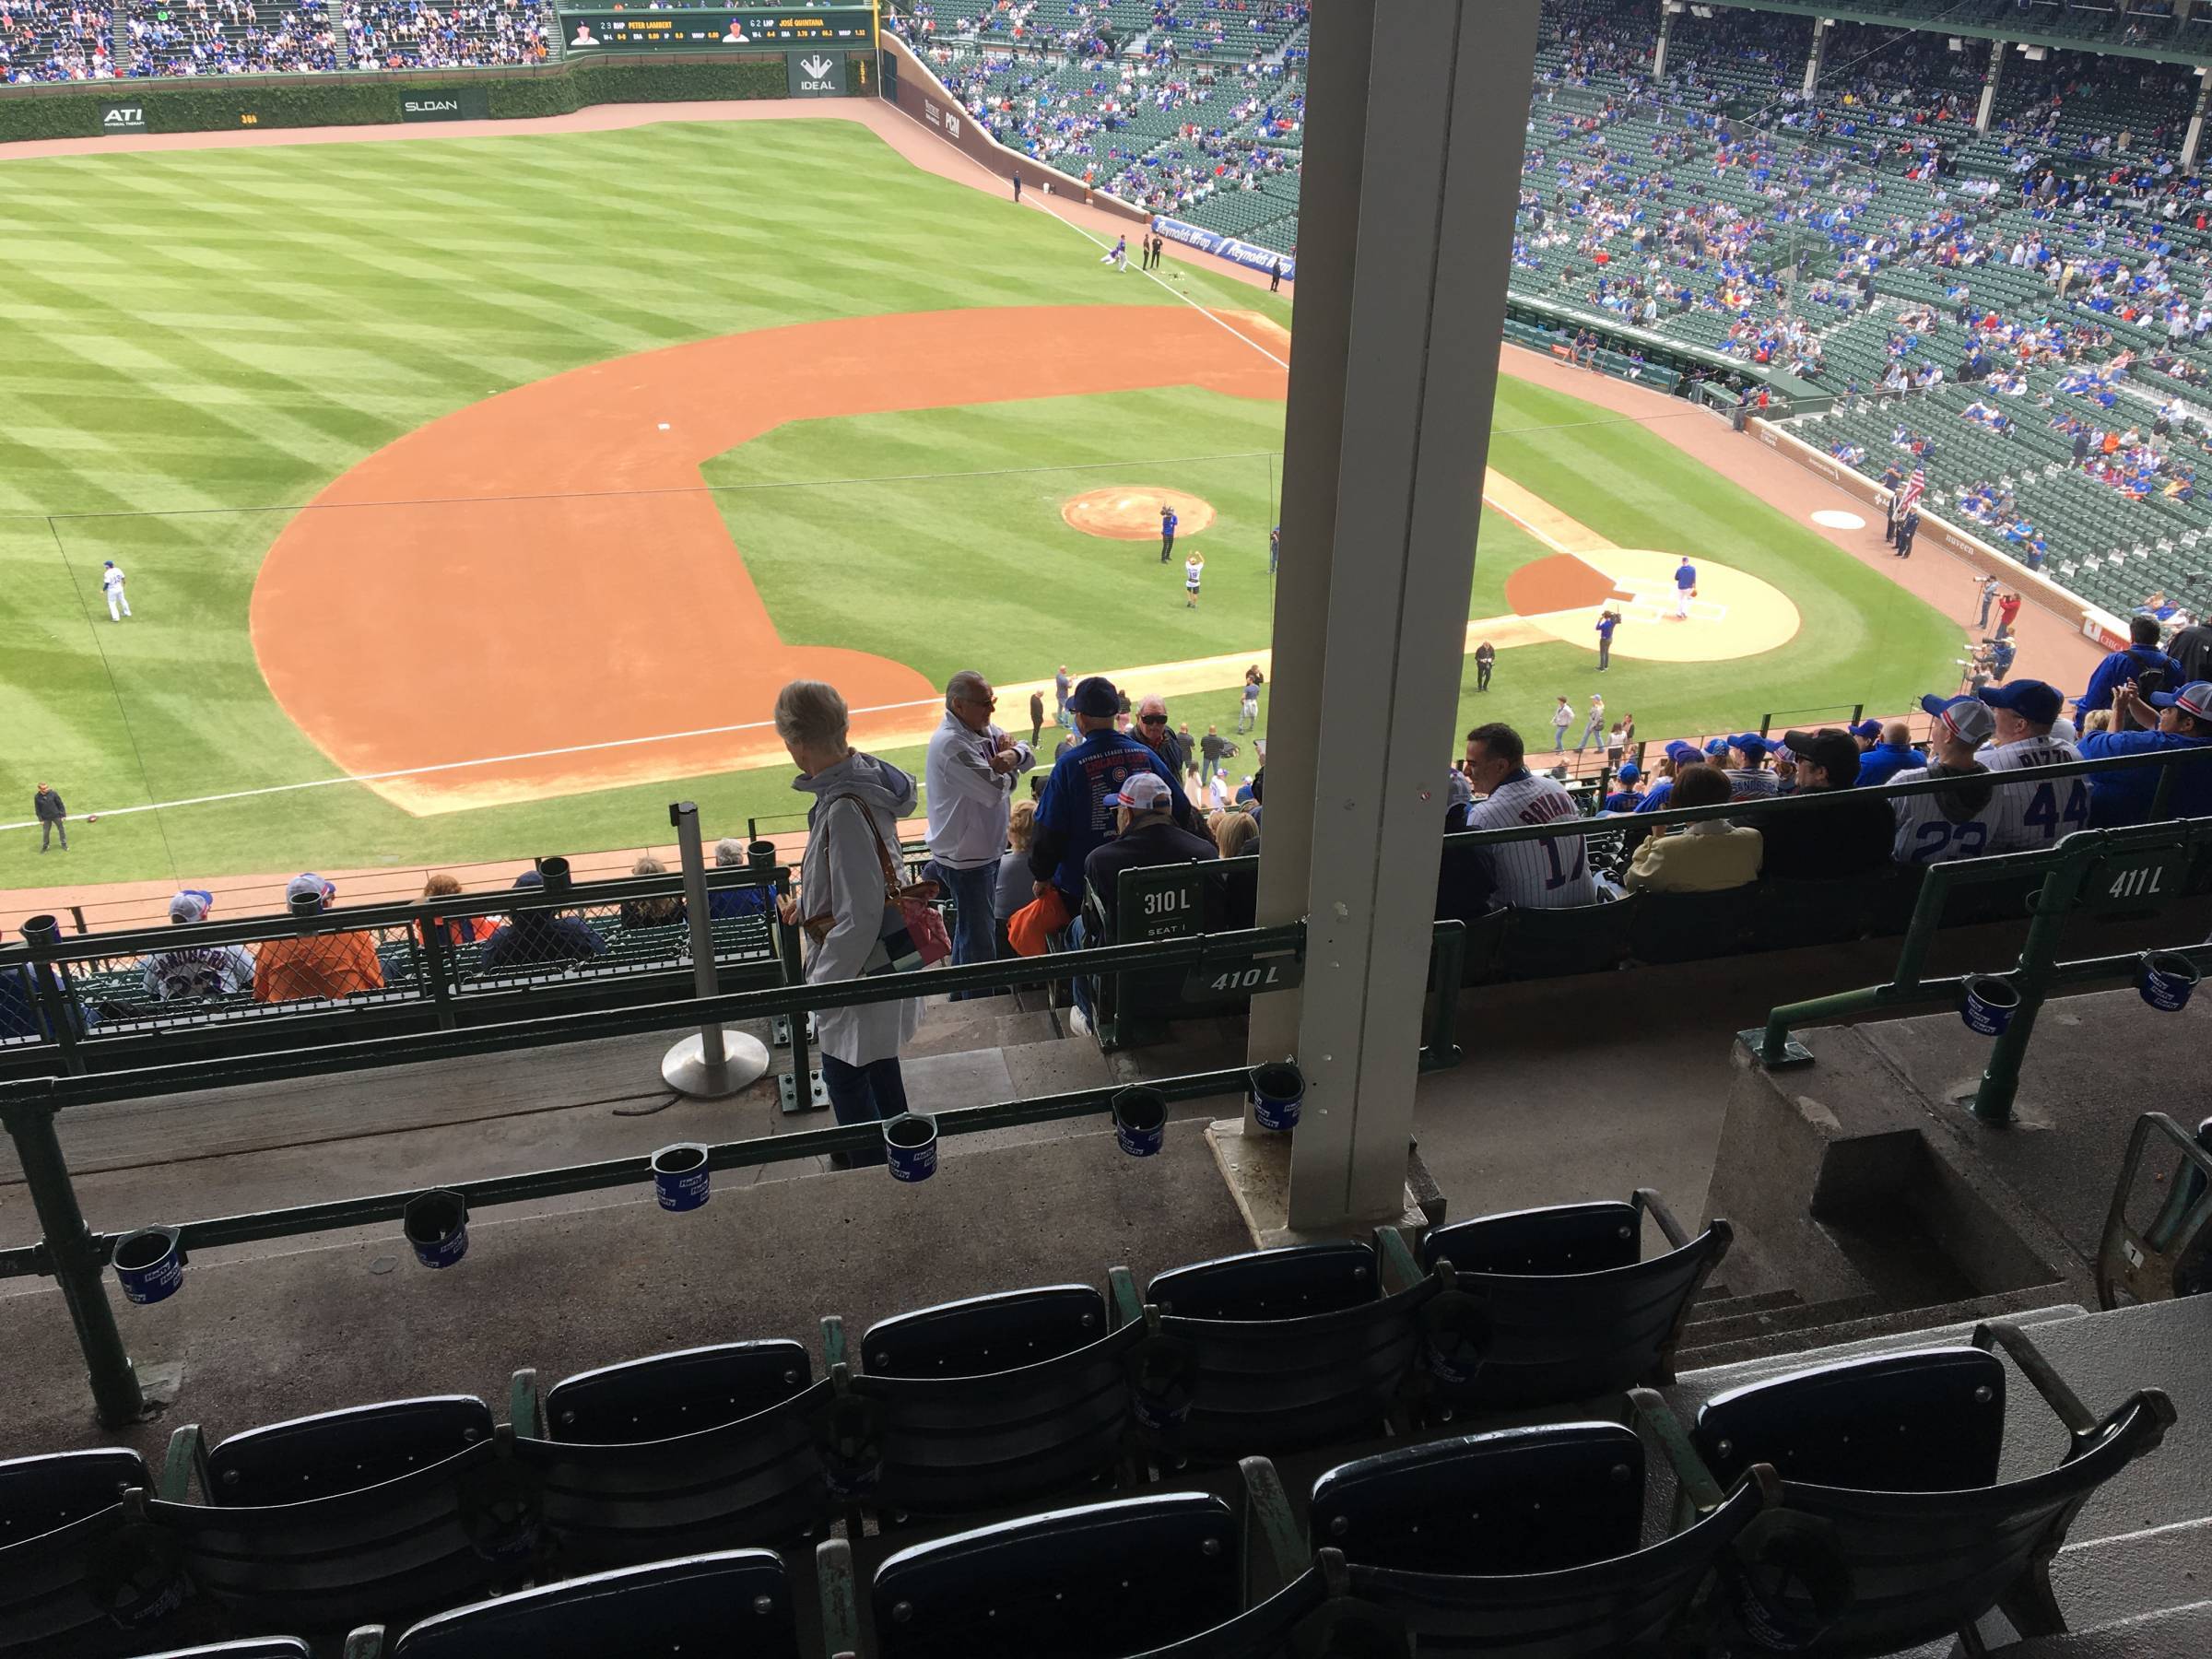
pixel 2129 879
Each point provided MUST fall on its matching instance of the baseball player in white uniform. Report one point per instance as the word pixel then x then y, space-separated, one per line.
pixel 1961 823
pixel 111 580
pixel 2043 813
pixel 1549 874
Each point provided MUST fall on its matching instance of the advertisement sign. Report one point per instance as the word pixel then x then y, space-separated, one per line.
pixel 1250 254
pixel 824 29
pixel 816 74
pixel 122 118
pixel 473 103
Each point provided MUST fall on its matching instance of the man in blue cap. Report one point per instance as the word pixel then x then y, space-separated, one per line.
pixel 1893 753
pixel 2043 812
pixel 1073 815
pixel 1679 755
pixel 2179 720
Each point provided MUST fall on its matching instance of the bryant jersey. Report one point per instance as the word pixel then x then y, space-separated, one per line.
pixel 1534 875
pixel 1926 834
pixel 2038 814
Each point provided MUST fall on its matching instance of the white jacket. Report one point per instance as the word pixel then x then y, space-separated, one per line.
pixel 842 876
pixel 969 803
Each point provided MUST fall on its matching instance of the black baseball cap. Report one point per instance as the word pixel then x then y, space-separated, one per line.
pixel 1097 698
pixel 1832 751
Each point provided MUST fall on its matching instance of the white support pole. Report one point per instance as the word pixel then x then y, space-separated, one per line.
pixel 2194 143
pixel 1990 83
pixel 1406 220
pixel 1666 24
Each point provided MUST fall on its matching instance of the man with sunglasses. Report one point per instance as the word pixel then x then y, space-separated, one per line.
pixel 1153 732
pixel 970 771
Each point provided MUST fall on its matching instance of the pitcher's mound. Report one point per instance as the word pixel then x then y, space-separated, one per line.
pixel 1127 512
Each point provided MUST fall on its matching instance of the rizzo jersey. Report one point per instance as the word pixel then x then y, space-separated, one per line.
pixel 1938 827
pixel 2041 814
pixel 1534 875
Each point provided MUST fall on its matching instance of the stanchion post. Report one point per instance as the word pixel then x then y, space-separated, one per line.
pixel 75 1264
pixel 42 934
pixel 2032 979
pixel 715 1063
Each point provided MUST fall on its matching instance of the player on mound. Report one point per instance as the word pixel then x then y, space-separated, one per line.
pixel 1192 568
pixel 1686 588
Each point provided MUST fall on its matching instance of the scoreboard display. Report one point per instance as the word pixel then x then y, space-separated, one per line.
pixel 722 29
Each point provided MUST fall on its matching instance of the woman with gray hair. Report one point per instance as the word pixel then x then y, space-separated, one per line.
pixel 843 903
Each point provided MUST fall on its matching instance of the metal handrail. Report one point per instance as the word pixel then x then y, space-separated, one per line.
pixel 72 1254
pixel 2146 1263
pixel 2066 869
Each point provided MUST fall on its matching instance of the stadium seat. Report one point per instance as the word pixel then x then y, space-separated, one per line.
pixel 1102 1582
pixel 1548 1306
pixel 61 1518
pixel 1794 913
pixel 702 1448
pixel 252 1647
pixel 1899 1531
pixel 737 1603
pixel 349 1516
pixel 983 1404
pixel 1314 1321
pixel 1544 1564
pixel 1582 938
pixel 1689 927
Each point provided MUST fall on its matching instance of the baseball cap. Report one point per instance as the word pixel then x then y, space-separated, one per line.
pixel 1967 719
pixel 1630 774
pixel 2195 698
pixel 1096 697
pixel 1678 751
pixel 2032 700
pixel 530 878
pixel 1141 792
pixel 1719 745
pixel 308 884
pixel 1751 743
pixel 190 904
pixel 1866 728
pixel 1832 751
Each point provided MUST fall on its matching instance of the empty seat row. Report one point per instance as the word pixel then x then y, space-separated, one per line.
pixel 989 1404
pixel 1850 1509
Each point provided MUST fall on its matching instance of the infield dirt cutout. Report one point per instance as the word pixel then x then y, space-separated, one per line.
pixel 546 571
pixel 1126 512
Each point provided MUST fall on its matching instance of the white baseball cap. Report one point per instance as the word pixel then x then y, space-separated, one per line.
pixel 1141 792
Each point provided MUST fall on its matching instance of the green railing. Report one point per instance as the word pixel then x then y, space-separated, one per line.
pixel 2121 870
pixel 73 1255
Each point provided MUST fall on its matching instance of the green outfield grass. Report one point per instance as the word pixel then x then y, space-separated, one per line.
pixel 191 339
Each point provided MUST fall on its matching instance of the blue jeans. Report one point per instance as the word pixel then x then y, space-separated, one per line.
pixel 863 1094
pixel 975 929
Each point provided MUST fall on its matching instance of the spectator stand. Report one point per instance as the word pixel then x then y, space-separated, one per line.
pixel 52 41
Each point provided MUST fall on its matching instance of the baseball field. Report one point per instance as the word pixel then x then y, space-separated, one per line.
pixel 474 496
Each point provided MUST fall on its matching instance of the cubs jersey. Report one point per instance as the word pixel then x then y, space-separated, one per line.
pixel 2041 814
pixel 1927 834
pixel 1534 875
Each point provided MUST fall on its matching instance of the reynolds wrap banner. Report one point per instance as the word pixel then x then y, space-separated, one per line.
pixel 1225 247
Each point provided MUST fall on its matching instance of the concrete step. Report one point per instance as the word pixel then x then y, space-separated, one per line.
pixel 955 1031
pixel 1860 1327
pixel 2169 1634
pixel 1766 1322
pixel 1705 1308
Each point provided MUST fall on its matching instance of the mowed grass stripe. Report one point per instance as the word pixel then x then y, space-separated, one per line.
pixel 217 329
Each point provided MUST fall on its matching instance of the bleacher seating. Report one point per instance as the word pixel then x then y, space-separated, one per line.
pixel 230 37
pixel 423 34
pixel 56 40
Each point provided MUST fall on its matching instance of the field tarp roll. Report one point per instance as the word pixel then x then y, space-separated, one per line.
pixel 1250 254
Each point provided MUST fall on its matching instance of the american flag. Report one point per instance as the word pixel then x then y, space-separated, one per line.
pixel 1915 487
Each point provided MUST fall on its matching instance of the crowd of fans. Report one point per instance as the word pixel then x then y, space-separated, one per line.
pixel 51 41
pixel 230 37
pixel 426 34
pixel 176 37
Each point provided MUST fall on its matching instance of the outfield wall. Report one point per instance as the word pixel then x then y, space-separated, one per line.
pixel 90 110
pixel 2096 623
pixel 914 89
